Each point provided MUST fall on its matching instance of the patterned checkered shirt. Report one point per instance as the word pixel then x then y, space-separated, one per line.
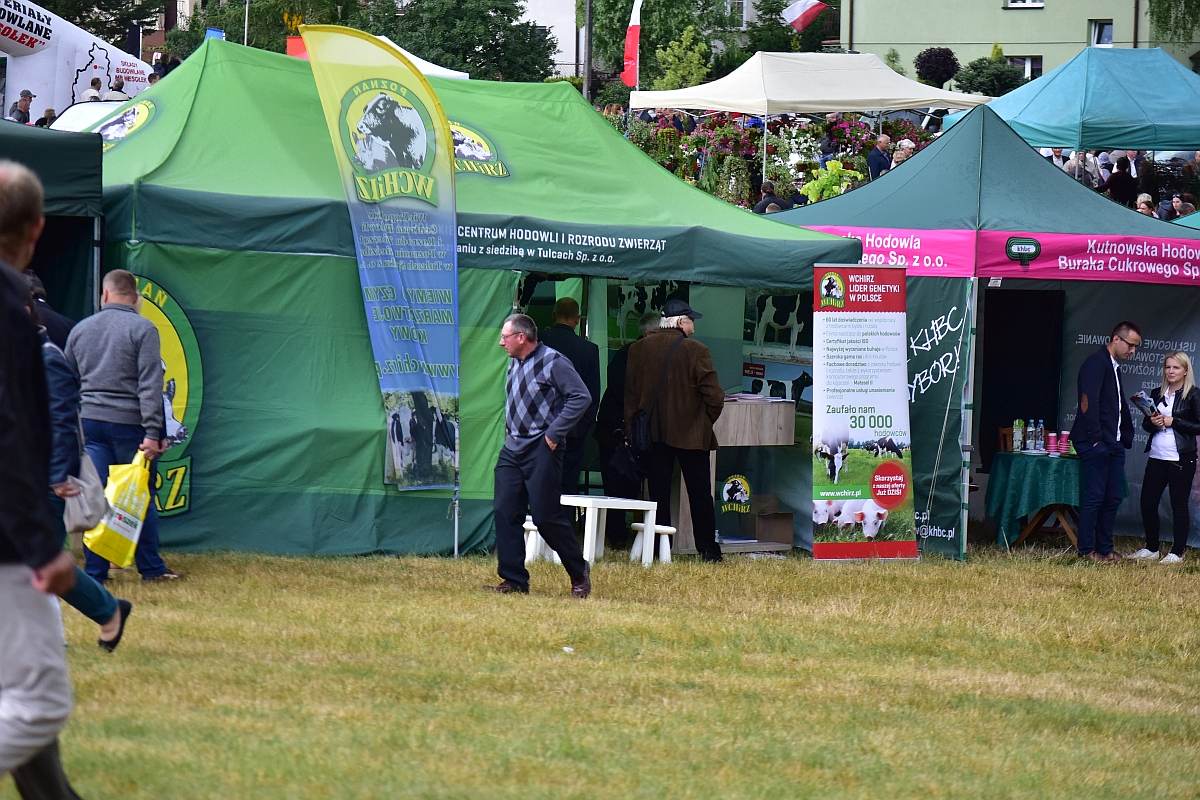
pixel 546 397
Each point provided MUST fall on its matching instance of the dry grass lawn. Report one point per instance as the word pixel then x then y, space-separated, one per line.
pixel 1006 677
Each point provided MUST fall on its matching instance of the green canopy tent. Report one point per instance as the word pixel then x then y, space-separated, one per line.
pixel 224 194
pixel 979 201
pixel 68 165
pixel 1139 99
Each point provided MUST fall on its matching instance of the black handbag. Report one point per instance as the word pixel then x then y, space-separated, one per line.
pixel 641 435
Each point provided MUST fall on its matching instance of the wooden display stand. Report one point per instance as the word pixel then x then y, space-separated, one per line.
pixel 743 423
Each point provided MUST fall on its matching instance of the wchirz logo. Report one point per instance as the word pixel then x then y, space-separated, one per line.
pixel 390 140
pixel 833 291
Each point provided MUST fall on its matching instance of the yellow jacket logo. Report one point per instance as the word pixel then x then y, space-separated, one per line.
pixel 183 394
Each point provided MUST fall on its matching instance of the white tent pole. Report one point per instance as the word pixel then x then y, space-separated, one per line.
pixel 764 137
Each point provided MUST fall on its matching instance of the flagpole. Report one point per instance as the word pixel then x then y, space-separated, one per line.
pixel 246 25
pixel 587 50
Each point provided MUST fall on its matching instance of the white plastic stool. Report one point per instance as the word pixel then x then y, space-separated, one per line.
pixel 640 542
pixel 535 545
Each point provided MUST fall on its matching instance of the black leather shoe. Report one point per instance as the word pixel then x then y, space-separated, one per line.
pixel 581 588
pixel 124 608
pixel 506 587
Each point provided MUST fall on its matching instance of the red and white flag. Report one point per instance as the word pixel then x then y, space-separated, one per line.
pixel 801 13
pixel 629 75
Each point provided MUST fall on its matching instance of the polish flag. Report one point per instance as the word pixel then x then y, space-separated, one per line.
pixel 629 76
pixel 801 13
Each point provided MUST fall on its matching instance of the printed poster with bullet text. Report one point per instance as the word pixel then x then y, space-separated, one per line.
pixel 862 442
pixel 394 151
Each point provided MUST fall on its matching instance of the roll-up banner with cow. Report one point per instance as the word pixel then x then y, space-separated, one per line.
pixel 395 154
pixel 56 61
pixel 862 442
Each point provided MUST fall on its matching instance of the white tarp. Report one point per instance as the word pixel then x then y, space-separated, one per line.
pixel 808 83
pixel 428 67
pixel 57 60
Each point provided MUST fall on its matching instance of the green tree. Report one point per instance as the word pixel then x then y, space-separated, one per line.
pixel 483 37
pixel 684 61
pixel 1175 20
pixel 106 19
pixel 823 27
pixel 726 60
pixel 892 59
pixel 989 76
pixel 270 23
pixel 769 33
pixel 936 65
pixel 663 21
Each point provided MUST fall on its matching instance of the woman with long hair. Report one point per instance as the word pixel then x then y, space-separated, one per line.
pixel 1172 462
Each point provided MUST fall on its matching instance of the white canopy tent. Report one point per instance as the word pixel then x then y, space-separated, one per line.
pixel 428 67
pixel 808 83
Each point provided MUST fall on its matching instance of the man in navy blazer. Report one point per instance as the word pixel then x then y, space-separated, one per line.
pixel 1102 432
pixel 585 357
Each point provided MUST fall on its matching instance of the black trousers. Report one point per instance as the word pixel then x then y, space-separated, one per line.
pixel 42 777
pixel 616 529
pixel 572 459
pixel 532 479
pixel 697 477
pixel 1177 476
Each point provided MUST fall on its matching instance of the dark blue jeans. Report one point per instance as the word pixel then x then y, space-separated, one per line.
pixel 111 443
pixel 1102 477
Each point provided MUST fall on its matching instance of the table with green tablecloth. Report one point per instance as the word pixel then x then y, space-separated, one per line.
pixel 1035 486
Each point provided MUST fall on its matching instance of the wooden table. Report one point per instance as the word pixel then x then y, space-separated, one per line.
pixel 1037 487
pixel 743 423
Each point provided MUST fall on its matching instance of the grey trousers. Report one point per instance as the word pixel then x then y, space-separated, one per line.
pixel 35 691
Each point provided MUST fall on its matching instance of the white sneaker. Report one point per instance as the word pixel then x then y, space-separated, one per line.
pixel 1171 558
pixel 1144 555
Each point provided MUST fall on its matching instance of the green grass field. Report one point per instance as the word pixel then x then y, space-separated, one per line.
pixel 1028 676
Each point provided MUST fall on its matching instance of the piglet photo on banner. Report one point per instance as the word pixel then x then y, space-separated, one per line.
pixel 862 442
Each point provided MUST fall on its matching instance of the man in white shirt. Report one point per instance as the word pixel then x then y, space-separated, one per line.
pixel 93 92
pixel 116 92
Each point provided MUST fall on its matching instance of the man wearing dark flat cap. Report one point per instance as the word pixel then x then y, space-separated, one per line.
pixel 671 377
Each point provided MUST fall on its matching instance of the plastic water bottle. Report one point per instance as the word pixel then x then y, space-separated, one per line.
pixel 1040 437
pixel 1030 434
pixel 1018 434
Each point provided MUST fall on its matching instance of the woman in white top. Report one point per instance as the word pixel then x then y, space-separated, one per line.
pixel 1172 462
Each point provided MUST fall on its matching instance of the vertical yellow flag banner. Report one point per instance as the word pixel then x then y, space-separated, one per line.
pixel 395 154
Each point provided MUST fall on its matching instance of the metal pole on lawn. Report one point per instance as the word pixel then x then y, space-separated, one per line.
pixel 246 25
pixel 454 502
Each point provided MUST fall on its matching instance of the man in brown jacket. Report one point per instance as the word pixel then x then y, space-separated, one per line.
pixel 683 401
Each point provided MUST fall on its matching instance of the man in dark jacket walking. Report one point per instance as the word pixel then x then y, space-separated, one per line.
pixel 1102 432
pixel 585 357
pixel 672 378
pixel 35 691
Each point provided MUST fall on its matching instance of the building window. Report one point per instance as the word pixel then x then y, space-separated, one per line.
pixel 1101 33
pixel 1030 65
pixel 1024 4
pixel 737 10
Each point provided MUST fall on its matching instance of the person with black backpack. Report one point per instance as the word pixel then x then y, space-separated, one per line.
pixel 672 399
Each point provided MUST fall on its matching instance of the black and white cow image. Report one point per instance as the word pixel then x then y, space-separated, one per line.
pixel 633 301
pixel 779 312
pixel 176 431
pixel 834 458
pixel 735 492
pixel 881 447
pixel 786 390
pixel 831 289
pixel 389 135
pixel 469 148
pixel 445 437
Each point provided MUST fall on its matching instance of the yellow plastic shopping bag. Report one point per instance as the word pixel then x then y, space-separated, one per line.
pixel 128 493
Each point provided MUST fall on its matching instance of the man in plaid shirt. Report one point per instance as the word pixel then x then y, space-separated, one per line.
pixel 545 398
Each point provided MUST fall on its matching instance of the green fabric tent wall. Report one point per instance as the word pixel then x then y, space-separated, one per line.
pixel 68 165
pixel 227 197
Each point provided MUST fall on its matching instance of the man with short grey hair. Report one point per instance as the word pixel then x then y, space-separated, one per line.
pixel 35 690
pixel 545 399
pixel 117 355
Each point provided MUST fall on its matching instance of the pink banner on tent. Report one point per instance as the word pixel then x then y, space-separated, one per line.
pixel 1089 257
pixel 948 253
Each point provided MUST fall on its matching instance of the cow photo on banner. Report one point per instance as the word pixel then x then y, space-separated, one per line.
pixel 395 152
pixel 862 454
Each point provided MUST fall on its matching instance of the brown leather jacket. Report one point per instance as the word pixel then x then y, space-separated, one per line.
pixel 690 397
